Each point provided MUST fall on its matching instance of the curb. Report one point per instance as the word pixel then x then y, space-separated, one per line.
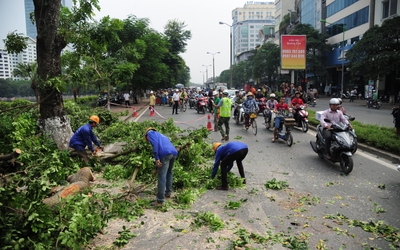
pixel 395 159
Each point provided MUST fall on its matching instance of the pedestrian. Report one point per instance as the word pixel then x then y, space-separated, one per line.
pixel 176 98
pixel 165 155
pixel 225 155
pixel 216 110
pixel 84 136
pixel 126 98
pixel 152 100
pixel 225 106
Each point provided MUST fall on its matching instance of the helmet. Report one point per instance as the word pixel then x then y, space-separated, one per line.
pixel 237 92
pixel 225 93
pixel 94 118
pixel 334 101
pixel 272 95
pixel 258 89
pixel 340 100
pixel 215 93
pixel 147 130
pixel 250 94
pixel 176 89
pixel 215 146
pixel 151 92
pixel 297 92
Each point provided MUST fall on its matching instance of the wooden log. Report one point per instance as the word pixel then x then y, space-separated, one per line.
pixel 10 156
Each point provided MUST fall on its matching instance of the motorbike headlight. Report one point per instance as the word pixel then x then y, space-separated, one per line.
pixel 340 140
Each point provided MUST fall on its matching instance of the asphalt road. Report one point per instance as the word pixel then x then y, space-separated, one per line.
pixel 317 188
pixel 358 109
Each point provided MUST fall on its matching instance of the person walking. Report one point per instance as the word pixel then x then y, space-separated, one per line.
pixel 165 154
pixel 152 99
pixel 83 137
pixel 176 97
pixel 225 106
pixel 225 155
pixel 216 110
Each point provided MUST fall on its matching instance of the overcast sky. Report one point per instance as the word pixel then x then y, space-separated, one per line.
pixel 201 17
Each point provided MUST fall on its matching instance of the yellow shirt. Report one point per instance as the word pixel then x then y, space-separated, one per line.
pixel 152 100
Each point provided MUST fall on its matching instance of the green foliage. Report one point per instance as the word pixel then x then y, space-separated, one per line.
pixel 124 236
pixel 15 43
pixel 276 185
pixel 208 219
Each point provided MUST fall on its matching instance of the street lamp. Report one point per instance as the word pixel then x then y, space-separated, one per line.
pixel 206 71
pixel 343 31
pixel 213 64
pixel 203 76
pixel 231 51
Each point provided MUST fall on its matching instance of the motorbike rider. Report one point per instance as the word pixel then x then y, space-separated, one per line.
pixel 239 100
pixel 270 107
pixel 249 106
pixel 374 97
pixel 296 103
pixel 258 95
pixel 335 116
pixel 225 108
pixel 280 110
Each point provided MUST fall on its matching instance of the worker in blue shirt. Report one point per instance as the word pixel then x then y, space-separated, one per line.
pixel 165 154
pixel 226 155
pixel 84 136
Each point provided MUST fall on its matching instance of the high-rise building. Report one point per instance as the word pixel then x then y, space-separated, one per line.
pixel 247 23
pixel 29 9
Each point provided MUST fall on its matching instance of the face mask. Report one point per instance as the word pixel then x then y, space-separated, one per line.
pixel 250 97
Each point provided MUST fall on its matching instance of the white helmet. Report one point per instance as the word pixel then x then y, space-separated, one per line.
pixel 215 93
pixel 258 89
pixel 272 95
pixel 340 100
pixel 334 101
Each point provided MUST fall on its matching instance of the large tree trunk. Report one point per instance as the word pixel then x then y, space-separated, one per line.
pixel 53 120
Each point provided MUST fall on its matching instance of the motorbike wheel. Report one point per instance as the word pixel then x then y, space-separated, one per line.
pixel 266 123
pixel 254 126
pixel 237 119
pixel 346 163
pixel 378 106
pixel 289 139
pixel 198 110
pixel 304 126
pixel 204 110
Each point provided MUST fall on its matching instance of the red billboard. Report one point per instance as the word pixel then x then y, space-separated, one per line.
pixel 293 52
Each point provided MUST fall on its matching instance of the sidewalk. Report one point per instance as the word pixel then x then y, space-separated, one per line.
pixel 141 105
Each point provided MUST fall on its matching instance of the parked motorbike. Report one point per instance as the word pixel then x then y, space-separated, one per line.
pixel 101 101
pixel 342 145
pixel 201 105
pixel 239 114
pixel 285 135
pixel 302 118
pixel 374 104
pixel 262 104
pixel 117 99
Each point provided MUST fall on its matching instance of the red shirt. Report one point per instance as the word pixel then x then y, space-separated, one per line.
pixel 297 102
pixel 280 107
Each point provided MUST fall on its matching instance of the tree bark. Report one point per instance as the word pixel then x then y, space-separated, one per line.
pixel 10 156
pixel 53 120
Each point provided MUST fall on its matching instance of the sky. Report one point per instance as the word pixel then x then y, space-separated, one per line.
pixel 202 18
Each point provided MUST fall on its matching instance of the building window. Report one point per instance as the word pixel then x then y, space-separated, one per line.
pixel 389 8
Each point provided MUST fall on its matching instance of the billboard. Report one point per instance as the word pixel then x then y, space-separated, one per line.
pixel 293 52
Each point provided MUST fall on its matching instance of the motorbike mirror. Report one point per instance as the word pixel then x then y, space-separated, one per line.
pixel 352 118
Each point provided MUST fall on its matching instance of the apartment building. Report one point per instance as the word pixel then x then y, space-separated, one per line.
pixel 246 26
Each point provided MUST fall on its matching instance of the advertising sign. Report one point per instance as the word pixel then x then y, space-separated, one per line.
pixel 293 52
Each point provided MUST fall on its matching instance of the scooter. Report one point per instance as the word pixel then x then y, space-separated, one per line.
pixel 311 101
pixel 210 104
pixel 192 101
pixel 374 104
pixel 239 114
pixel 302 118
pixel 285 135
pixel 262 105
pixel 342 145
pixel 101 101
pixel 201 105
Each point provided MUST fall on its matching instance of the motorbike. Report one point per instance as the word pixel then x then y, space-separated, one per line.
pixel 101 101
pixel 286 134
pixel 394 113
pixel 117 99
pixel 302 118
pixel 267 118
pixel 210 104
pixel 201 105
pixel 239 114
pixel 374 104
pixel 311 101
pixel 342 145
pixel 385 99
pixel 192 101
pixel 262 104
